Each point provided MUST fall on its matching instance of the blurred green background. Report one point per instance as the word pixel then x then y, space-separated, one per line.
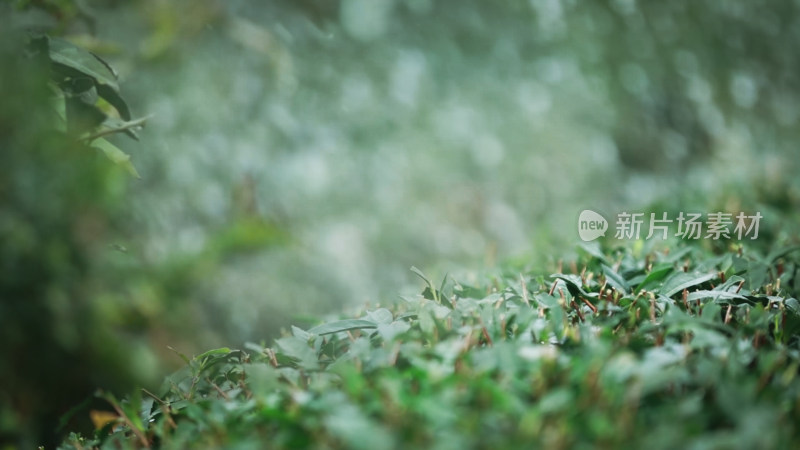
pixel 302 155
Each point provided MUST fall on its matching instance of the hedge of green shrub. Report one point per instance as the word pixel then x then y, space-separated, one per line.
pixel 676 347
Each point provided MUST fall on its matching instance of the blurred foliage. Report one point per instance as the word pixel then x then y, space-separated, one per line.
pixel 411 132
pixel 61 205
pixel 81 310
pixel 653 348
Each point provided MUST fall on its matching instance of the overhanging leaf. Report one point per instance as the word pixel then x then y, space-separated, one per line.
pixel 66 54
pixel 71 61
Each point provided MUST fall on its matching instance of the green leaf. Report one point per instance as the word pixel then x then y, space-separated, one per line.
pixel 133 409
pixel 430 291
pixel 615 280
pixel 216 351
pixel 66 54
pixel 756 275
pixel 381 315
pixel 731 283
pixel 469 292
pixel 301 334
pixel 71 61
pixel 420 274
pixel 593 249
pixel 181 355
pixel 573 283
pixel 426 322
pixel 676 255
pixel 342 325
pixel 82 88
pixel 116 155
pixel 389 331
pixel 113 97
pixel 715 295
pixel 298 351
pixel 656 274
pixel 792 305
pixel 682 280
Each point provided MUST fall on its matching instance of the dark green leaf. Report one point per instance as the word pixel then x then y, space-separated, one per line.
pixel 112 96
pixel 66 54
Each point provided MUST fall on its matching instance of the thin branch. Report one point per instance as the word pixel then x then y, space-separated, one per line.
pixel 136 123
pixel 155 397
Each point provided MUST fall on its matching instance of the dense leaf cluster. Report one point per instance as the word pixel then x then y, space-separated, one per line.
pixel 88 99
pixel 666 349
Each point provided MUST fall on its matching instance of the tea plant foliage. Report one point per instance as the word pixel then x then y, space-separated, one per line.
pixel 680 349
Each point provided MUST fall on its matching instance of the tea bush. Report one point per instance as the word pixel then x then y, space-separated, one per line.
pixel 659 348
